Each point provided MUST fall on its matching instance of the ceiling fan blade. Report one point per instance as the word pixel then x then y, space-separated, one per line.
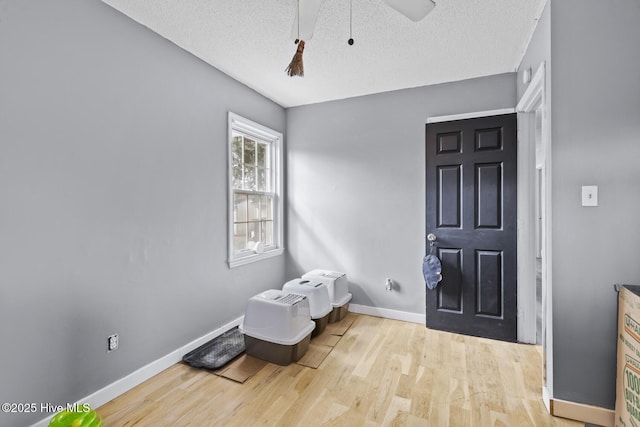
pixel 308 16
pixel 412 9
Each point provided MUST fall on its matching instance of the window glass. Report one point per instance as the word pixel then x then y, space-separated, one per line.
pixel 255 219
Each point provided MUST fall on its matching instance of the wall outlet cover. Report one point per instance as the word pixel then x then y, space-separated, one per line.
pixel 112 342
pixel 589 195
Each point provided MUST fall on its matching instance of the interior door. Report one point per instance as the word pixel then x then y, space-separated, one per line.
pixel 471 209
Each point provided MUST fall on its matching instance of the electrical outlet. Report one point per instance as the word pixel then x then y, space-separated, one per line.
pixel 112 343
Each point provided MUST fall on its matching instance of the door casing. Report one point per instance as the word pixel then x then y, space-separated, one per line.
pixel 534 131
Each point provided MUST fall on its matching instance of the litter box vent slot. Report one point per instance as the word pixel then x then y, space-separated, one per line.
pixel 291 299
pixel 332 274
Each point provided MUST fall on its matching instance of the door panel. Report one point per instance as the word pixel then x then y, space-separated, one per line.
pixel 488 196
pixel 489 283
pixel 449 196
pixel 471 208
pixel 450 297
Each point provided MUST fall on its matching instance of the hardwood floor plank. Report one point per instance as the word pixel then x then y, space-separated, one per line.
pixel 381 372
pixel 398 412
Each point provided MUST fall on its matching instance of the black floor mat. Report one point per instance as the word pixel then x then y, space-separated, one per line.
pixel 217 352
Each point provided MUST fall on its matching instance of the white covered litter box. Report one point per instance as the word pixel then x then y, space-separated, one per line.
pixel 277 326
pixel 319 303
pixel 338 287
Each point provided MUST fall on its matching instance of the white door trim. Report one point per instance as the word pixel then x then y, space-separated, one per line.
pixel 527 302
pixel 472 115
pixel 534 102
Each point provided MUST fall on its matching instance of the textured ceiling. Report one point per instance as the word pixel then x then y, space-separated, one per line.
pixel 250 40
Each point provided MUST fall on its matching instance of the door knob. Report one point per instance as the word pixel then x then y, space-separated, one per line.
pixel 431 237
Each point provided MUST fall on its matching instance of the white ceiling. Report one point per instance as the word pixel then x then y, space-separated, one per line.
pixel 250 40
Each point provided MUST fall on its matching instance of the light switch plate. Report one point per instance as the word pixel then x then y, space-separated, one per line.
pixel 589 195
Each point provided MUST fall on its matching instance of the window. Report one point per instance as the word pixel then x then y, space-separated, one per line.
pixel 255 191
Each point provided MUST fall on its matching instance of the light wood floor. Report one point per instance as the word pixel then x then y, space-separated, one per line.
pixel 382 372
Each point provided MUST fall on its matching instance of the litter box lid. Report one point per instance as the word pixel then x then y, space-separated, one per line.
pixel 336 283
pixel 317 293
pixel 278 317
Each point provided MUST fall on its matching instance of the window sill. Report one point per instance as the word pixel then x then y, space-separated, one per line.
pixel 255 257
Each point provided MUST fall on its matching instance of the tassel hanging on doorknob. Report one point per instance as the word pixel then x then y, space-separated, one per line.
pixel 296 68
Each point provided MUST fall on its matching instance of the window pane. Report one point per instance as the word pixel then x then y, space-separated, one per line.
pixel 254 207
pixel 253 234
pixel 249 152
pixel 236 160
pixel 239 208
pixel 249 178
pixel 262 155
pixel 266 208
pixel 239 237
pixel 262 178
pixel 267 233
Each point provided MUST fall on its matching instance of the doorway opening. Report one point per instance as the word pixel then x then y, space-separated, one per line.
pixel 534 217
pixel 534 278
pixel 471 215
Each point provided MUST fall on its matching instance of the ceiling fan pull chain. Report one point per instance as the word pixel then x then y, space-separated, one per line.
pixel 298 11
pixel 296 67
pixel 350 23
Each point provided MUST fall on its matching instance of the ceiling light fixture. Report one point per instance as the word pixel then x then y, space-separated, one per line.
pixel 412 9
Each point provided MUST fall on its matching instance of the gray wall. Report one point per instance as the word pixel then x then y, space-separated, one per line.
pixel 356 184
pixel 594 105
pixel 596 141
pixel 113 190
pixel 538 50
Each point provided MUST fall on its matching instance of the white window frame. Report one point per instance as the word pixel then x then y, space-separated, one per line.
pixel 250 128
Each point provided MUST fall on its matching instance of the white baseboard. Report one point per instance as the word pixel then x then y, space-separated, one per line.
pixel 581 412
pixel 388 313
pixel 135 378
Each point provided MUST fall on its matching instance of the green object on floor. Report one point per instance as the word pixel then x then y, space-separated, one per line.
pixel 82 416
